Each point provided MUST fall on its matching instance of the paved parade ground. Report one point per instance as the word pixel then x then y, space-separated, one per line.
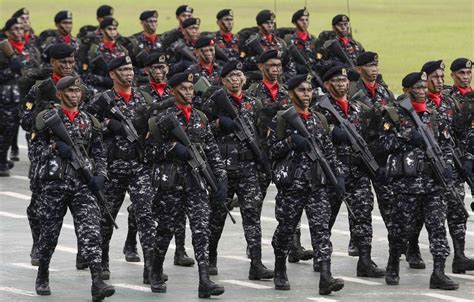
pixel 17 276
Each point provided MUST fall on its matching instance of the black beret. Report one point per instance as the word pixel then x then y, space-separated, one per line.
pixel 264 15
pixel 148 14
pixel 10 22
pixel 204 41
pixel 460 64
pixel 156 58
pixel 231 66
pixel 224 13
pixel 108 21
pixel 335 71
pixel 181 77
pixel 22 11
pixel 68 81
pixel 340 18
pixel 104 11
pixel 119 62
pixel 62 15
pixel 184 8
pixel 366 58
pixel 412 78
pixel 267 55
pixel 191 21
pixel 431 66
pixel 61 51
pixel 298 79
pixel 298 14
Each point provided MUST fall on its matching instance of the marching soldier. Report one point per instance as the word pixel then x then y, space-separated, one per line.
pixel 28 32
pixel 183 12
pixel 206 66
pixel 63 21
pixel 181 52
pixel 102 12
pixel 225 39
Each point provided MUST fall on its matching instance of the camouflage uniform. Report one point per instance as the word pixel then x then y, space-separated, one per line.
pixel 351 47
pixel 229 46
pixel 139 43
pixel 275 42
pixel 210 74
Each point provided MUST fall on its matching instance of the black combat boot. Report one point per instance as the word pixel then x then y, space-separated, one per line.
pixel 327 283
pixel 157 283
pixel 280 279
pixel 4 170
pixel 439 279
pixel 15 155
pixel 34 254
pixel 105 263
pixel 207 288
pixel 213 265
pixel 181 258
pixel 99 289
pixel 257 269
pixel 42 280
pixel 461 263
pixel 393 267
pixel 352 249
pixel 413 255
pixel 81 263
pixel 130 247
pixel 297 252
pixel 148 259
pixel 316 265
pixel 365 266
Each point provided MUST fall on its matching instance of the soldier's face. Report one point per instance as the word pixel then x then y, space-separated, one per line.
pixel 234 81
pixel 25 19
pixel 267 27
pixel 150 25
pixel 303 23
pixel 70 97
pixel 341 28
pixel 206 54
pixel 184 16
pixel 63 67
pixel 436 81
pixel 369 72
pixel 184 93
pixel 271 69
pixel 123 75
pixel 301 95
pixel 226 24
pixel 65 27
pixel 157 72
pixel 338 86
pixel 111 32
pixel 192 32
pixel 462 77
pixel 418 91
pixel 15 33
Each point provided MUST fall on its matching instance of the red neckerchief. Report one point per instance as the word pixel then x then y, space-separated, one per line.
pixel 371 88
pixel 209 68
pixel 56 77
pixel 419 107
pixel 186 110
pixel 227 36
pixel 110 45
pixel 71 115
pixel 237 98
pixel 150 37
pixel 27 37
pixel 126 96
pixel 158 87
pixel 344 40
pixel 305 115
pixel 435 98
pixel 67 39
pixel 18 45
pixel 344 104
pixel 303 35
pixel 268 37
pixel 463 91
pixel 273 88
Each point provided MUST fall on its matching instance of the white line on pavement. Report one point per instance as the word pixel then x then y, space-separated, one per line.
pixel 68 226
pixel 29 266
pixel 446 298
pixel 11 215
pixel 134 263
pixel 22 146
pixel 322 299
pixel 19 177
pixel 66 249
pixel 16 195
pixel 18 291
pixel 461 276
pixel 358 280
pixel 133 287
pixel 247 284
pixel 240 258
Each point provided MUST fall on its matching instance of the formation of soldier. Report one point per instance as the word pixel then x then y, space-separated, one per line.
pixel 183 121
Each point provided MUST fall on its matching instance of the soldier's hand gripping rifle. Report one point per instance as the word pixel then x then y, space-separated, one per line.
pixel 253 46
pixel 79 162
pixel 198 164
pixel 315 154
pixel 336 47
pixel 359 146
pixel 433 152
pixel 242 132
pixel 300 59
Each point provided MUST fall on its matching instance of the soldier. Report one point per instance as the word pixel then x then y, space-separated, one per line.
pixel 102 12
pixel 178 187
pixel 241 165
pixel 206 65
pixel 306 187
pixel 358 189
pixel 225 39
pixel 101 53
pixel 71 188
pixel 416 190
pixel 183 12
pixel 182 51
pixel 62 34
pixel 461 73
pixel 28 32
pixel 126 169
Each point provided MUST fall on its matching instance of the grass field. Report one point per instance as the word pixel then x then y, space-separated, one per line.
pixel 405 33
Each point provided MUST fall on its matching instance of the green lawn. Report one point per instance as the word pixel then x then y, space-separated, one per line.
pixel 405 33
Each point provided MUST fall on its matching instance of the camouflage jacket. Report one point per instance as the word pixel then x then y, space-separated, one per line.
pixel 213 76
pixel 29 57
pixel 230 48
pixel 353 49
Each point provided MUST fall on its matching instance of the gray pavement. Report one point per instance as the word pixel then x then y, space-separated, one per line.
pixel 17 276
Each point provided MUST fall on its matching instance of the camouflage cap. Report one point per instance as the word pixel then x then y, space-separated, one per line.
pixel 156 58
pixel 267 55
pixel 60 51
pixel 224 13
pixel 412 78
pixel 432 66
pixel 63 15
pixel 68 81
pixel 264 16
pixel 184 9
pixel 298 79
pixel 191 21
pixel 340 18
pixel 231 66
pixel 335 71
pixel 461 63
pixel 108 21
pixel 366 58
pixel 119 62
pixel 181 77
pixel 298 14
pixel 22 11
pixel 104 11
pixel 204 41
pixel 148 14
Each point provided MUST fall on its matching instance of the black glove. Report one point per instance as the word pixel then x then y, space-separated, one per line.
pixel 97 183
pixel 115 126
pixel 15 65
pixel 64 150
pixel 448 172
pixel 341 185
pixel 466 169
pixel 416 138
pixel 300 144
pixel 221 193
pixel 226 124
pixel 339 136
pixel 181 152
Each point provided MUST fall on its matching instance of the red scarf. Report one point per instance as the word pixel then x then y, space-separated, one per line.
pixel 344 40
pixel 110 45
pixel 344 104
pixel 371 88
pixel 435 98
pixel 71 115
pixel 273 88
pixel 227 36
pixel 56 77
pixel 158 87
pixel 126 96
pixel 150 37
pixel 237 98
pixel 463 91
pixel 303 35
pixel 27 37
pixel 18 45
pixel 419 107
pixel 268 37
pixel 67 39
pixel 186 110
pixel 305 115
pixel 209 67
